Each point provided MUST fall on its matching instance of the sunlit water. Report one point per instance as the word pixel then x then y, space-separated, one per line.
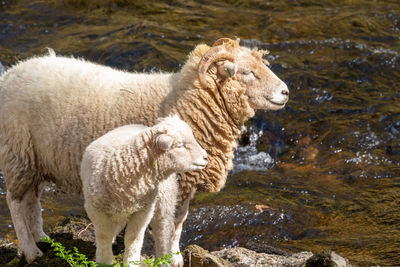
pixel 324 173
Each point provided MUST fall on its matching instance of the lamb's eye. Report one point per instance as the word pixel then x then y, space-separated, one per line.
pixel 179 145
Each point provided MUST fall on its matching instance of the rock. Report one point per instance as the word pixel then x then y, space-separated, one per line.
pixel 79 227
pixel 9 253
pixel 327 259
pixel 261 247
pixel 242 257
pixel 195 256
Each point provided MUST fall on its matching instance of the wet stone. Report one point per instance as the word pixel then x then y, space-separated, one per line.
pixel 261 247
pixel 8 253
pixel 242 257
pixel 327 259
pixel 196 256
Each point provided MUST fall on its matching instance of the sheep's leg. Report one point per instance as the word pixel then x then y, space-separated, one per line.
pixel 19 209
pixel 34 213
pixel 134 234
pixel 106 229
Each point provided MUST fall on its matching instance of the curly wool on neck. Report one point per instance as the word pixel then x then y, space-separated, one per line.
pixel 217 116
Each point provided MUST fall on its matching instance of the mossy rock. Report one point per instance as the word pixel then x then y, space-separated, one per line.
pixel 9 254
pixel 196 256
pixel 327 259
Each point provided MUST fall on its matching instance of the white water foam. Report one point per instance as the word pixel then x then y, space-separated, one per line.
pixel 249 158
pixel 2 69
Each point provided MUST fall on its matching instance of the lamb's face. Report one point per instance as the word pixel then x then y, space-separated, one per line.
pixel 180 152
pixel 263 88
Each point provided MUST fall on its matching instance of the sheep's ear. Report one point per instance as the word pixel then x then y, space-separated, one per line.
pixel 164 142
pixel 226 69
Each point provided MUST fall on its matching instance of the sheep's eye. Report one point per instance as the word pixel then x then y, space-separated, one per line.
pixel 248 73
pixel 179 145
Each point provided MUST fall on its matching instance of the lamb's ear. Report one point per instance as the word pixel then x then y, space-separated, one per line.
pixel 226 69
pixel 164 142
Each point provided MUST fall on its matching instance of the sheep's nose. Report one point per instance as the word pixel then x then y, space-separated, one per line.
pixel 285 91
pixel 205 157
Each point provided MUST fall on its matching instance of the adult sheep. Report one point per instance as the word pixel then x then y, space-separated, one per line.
pixel 121 174
pixel 52 107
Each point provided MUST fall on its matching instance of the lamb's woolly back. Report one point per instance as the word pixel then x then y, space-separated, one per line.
pixel 172 124
pixel 128 163
pixel 119 165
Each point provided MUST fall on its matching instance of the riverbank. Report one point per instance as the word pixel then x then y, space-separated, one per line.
pixel 78 232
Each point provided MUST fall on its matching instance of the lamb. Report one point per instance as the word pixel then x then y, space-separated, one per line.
pixel 52 107
pixel 121 172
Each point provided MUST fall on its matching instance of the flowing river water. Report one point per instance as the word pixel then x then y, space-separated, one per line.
pixel 323 173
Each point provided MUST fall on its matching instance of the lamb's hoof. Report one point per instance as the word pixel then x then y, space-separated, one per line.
pixel 177 260
pixel 133 262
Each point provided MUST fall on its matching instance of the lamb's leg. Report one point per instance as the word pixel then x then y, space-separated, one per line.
pixel 106 229
pixel 19 210
pixel 163 222
pixel 34 213
pixel 162 228
pixel 134 234
pixel 181 215
pixel 167 228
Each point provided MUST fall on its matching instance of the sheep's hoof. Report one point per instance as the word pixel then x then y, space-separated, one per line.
pixel 32 254
pixel 40 237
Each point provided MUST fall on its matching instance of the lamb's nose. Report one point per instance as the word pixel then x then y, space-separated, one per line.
pixel 205 157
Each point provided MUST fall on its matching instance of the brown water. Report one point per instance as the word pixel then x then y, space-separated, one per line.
pixel 334 181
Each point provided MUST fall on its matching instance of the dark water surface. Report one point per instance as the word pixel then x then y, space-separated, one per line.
pixel 324 173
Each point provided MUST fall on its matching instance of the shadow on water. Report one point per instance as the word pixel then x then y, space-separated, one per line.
pixel 328 165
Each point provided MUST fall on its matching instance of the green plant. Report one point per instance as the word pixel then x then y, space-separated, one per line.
pixel 151 262
pixel 76 259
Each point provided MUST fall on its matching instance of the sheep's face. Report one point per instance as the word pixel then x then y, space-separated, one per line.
pixel 179 151
pixel 227 60
pixel 263 88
